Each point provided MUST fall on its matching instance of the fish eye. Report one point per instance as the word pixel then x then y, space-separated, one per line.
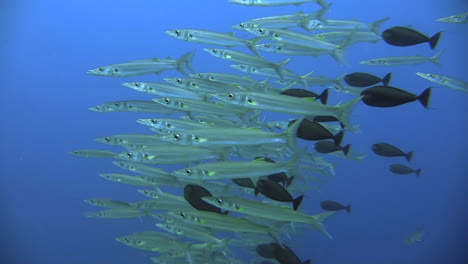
pixel 241 25
pixel 117 104
pixel 275 35
pixel 236 206
pixel 179 232
pixel 261 30
pixel 279 48
pixel 432 75
pixel 190 35
pixel 249 101
pixel 182 214
pixel 101 69
pixel 179 81
pixel 138 242
pixel 168 125
pixel 167 101
pixel 127 240
pixel 196 138
pixel 212 78
pixel 230 96
pixel 193 84
pixel 220 201
pixel 116 70
pixel 176 137
pixel 137 84
pixel 266 45
pixel 372 61
pixel 153 121
pixel 242 67
pixel 188 171
pixel 177 32
pixel 214 50
pixel 145 156
pixel 107 139
pixel 129 154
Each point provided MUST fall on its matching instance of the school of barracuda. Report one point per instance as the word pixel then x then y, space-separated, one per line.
pixel 237 171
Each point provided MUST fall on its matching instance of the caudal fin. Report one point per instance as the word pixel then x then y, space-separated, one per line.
pixel 348 208
pixel 323 97
pixel 338 137
pixel 409 156
pixel 434 40
pixel 424 97
pixel 345 111
pixel 435 58
pixel 346 149
pixel 387 78
pixel 296 202
pixel 376 25
pixel 185 61
pixel 418 172
pixel 317 222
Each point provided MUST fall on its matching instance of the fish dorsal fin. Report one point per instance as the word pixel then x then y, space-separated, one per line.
pixel 231 34
pixel 254 128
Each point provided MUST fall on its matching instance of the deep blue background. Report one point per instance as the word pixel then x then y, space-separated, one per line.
pixel 47 47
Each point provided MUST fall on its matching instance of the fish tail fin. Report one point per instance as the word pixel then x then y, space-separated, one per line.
pixel 338 55
pixel 306 262
pixel 291 134
pixel 289 181
pixel 297 201
pixel 185 61
pixel 345 111
pixel 418 172
pixel 387 78
pixel 278 67
pixel 251 44
pixel 322 4
pixel 376 25
pixel 323 97
pixel 348 208
pixel 435 58
pixel 338 137
pixel 409 156
pixel 317 222
pixel 424 97
pixel 434 40
pixel 346 149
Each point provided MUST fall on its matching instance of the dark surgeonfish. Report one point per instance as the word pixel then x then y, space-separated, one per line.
pixel 311 130
pixel 275 191
pixel 244 182
pixel 362 79
pixel 387 96
pixel 326 146
pixel 403 36
pixel 302 93
pixel 330 205
pixel 193 194
pixel 281 253
pixel 279 177
pixel 402 169
pixel 325 119
pixel 388 150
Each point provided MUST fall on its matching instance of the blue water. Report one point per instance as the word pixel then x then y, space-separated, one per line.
pixel 47 47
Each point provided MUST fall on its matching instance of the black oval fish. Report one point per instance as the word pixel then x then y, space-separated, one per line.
pixel 326 146
pixel 284 255
pixel 193 194
pixel 403 36
pixel 279 177
pixel 312 130
pixel 402 169
pixel 330 205
pixel 302 93
pixel 362 79
pixel 275 191
pixel 388 150
pixel 244 182
pixel 387 96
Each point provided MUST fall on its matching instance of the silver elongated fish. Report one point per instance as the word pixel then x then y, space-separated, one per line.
pixel 232 137
pixel 349 25
pixel 130 212
pixel 226 170
pixel 338 37
pixel 451 83
pixel 456 19
pixel 290 105
pixel 211 38
pixel 406 60
pixel 191 232
pixel 243 58
pixel 225 78
pixel 132 106
pixel 276 2
pixel 93 153
pixel 166 126
pixel 109 203
pixel 132 140
pixel 143 67
pixel 201 86
pixel 270 211
pixel 170 154
pixel 127 179
pixel 288 76
pixel 162 90
pixel 300 39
